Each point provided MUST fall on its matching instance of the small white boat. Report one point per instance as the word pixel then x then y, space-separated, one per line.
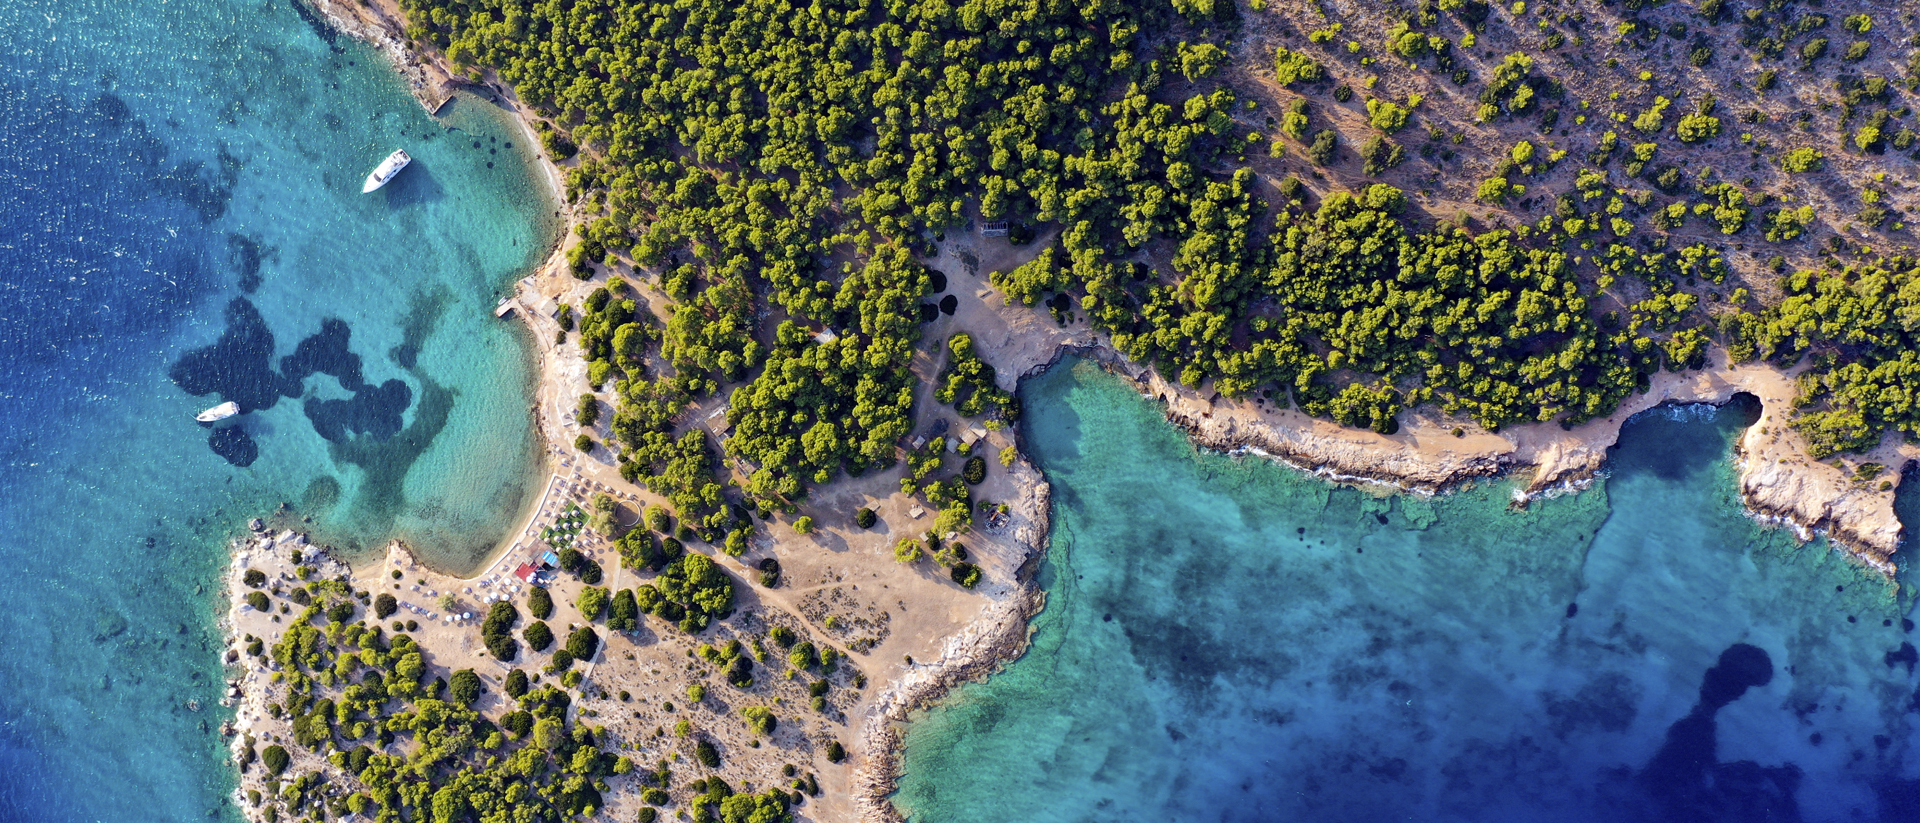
pixel 386 171
pixel 220 412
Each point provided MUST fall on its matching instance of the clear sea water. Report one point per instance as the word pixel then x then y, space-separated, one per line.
pixel 1227 639
pixel 170 167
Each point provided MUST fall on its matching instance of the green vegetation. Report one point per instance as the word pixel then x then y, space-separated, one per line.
pixel 691 592
pixel 497 631
pixel 762 159
pixel 539 603
pixel 363 702
pixel 538 636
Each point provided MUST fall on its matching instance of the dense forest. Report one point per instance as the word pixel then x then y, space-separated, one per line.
pixel 776 169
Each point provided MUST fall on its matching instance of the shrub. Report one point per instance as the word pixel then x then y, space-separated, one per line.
pixel 583 443
pixel 538 636
pixel 907 550
pixel 1694 128
pixel 1200 62
pixel 592 602
pixel 770 572
pixel 865 518
pixel 696 692
pixel 583 644
pixel 1010 454
pixel 1379 154
pixel 1802 159
pixel 1386 115
pixel 803 525
pixel 540 603
pixel 783 636
pixel 1290 67
pixel 588 412
pixel 1294 123
pixel 275 759
pixel 835 751
pixel 496 631
pixel 1494 190
pixel 803 656
pixel 518 722
pixel 259 602
pixel 1325 146
pixel 623 612
pixel 760 719
pixel 464 687
pixel 707 754
pixel 255 578
pixel 975 470
pixel 966 574
pixel 384 605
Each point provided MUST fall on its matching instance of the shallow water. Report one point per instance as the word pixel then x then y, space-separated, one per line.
pixel 1229 639
pixel 172 166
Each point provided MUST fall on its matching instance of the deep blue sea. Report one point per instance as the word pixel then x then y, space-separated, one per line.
pixel 182 225
pixel 1227 639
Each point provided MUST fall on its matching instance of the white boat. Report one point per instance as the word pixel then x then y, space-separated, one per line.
pixel 220 412
pixel 386 170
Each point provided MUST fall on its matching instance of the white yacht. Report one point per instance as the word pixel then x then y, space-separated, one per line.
pixel 220 412
pixel 386 171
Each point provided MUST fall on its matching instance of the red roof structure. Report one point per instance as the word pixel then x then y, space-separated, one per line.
pixel 525 572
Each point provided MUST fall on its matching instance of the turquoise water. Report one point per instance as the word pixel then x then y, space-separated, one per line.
pixel 1227 639
pixel 171 166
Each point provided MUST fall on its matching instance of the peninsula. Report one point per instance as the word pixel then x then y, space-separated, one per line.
pixel 813 251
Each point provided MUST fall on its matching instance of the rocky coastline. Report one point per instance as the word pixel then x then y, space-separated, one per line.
pixel 1430 454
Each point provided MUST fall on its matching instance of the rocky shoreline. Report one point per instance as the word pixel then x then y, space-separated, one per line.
pixel 1431 454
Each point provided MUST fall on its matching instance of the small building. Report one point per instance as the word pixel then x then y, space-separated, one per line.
pixel 997 228
pixel 525 572
pixel 550 559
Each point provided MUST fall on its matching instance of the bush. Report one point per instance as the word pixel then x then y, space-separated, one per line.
pixel 497 631
pixel 516 684
pixel 803 525
pixel 588 412
pixel 340 612
pixel 1325 145
pixel 1291 67
pixel 275 759
pixel 783 636
pixel 583 644
pixel 760 719
pixel 696 692
pixel 865 518
pixel 464 687
pixel 707 754
pixel 384 605
pixel 518 722
pixel 538 635
pixel 1379 154
pixel 1694 128
pixel 975 470
pixel 540 603
pixel 649 814
pixel 1802 159
pixel 254 578
pixel 592 602
pixel 907 550
pixel 259 602
pixel 966 574
pixel 835 751
pixel 623 613
pixel 584 443
pixel 1009 454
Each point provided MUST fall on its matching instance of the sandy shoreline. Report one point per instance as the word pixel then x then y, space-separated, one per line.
pixel 1777 481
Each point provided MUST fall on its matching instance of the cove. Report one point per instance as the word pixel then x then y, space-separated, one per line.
pixel 1229 639
pixel 184 226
